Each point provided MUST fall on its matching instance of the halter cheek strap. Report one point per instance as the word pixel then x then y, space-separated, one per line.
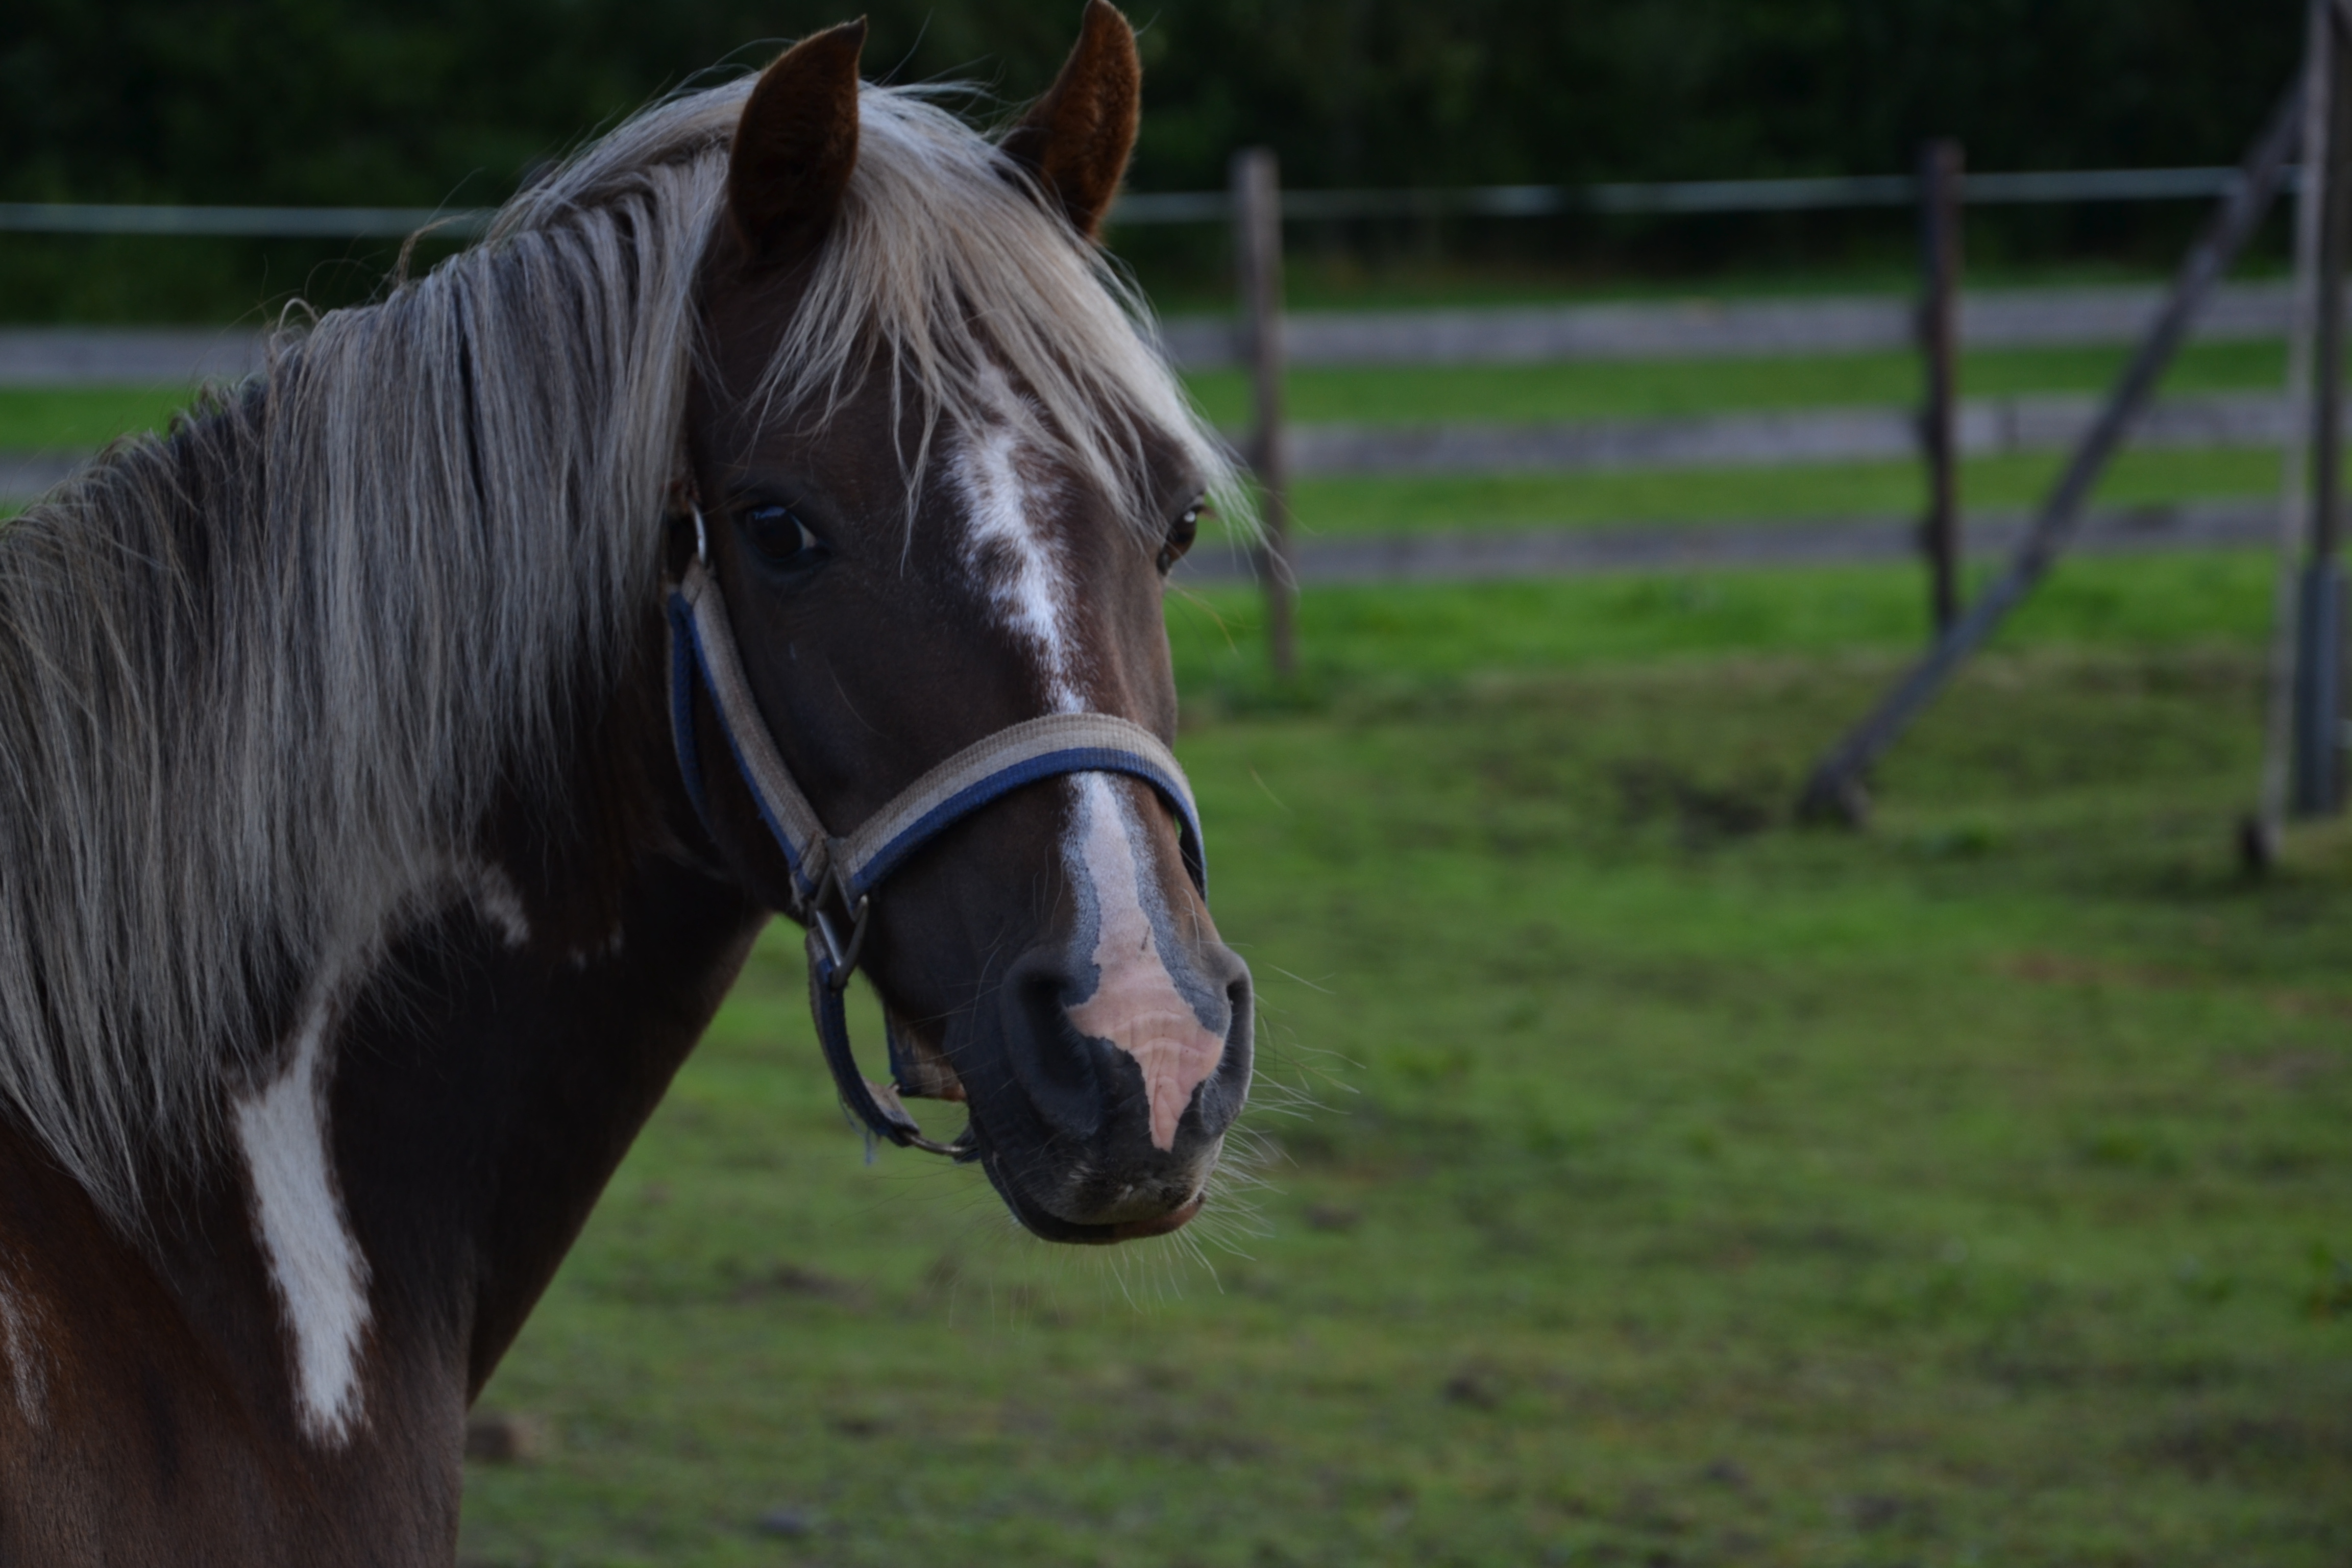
pixel 834 879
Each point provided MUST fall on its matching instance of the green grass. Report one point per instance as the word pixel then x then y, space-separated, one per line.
pixel 1377 639
pixel 1390 395
pixel 88 417
pixel 85 418
pixel 1646 1179
pixel 1340 507
pixel 1414 503
pixel 77 418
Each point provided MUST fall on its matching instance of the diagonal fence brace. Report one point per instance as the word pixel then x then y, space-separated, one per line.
pixel 1835 791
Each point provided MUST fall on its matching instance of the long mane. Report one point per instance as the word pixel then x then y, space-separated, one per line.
pixel 261 681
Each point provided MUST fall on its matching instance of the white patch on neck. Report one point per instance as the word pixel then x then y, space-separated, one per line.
pixel 500 902
pixel 1014 559
pixel 22 1355
pixel 1136 1005
pixel 319 1274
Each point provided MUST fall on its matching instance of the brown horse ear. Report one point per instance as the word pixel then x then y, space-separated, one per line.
pixel 1077 138
pixel 796 145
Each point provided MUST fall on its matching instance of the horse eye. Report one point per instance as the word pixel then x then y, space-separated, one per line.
pixel 780 538
pixel 1180 534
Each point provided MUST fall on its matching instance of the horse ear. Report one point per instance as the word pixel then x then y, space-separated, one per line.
pixel 1077 138
pixel 796 143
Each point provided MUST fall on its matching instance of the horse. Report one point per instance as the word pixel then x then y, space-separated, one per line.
pixel 400 756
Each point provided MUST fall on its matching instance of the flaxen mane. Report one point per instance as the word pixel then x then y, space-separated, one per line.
pixel 260 681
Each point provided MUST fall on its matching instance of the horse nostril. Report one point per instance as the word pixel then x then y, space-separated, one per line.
pixel 1055 1066
pixel 1110 1109
pixel 1222 1097
pixel 1077 1063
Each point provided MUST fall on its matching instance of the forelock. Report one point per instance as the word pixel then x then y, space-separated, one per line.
pixel 950 272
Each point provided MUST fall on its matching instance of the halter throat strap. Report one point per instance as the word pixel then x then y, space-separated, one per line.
pixel 834 877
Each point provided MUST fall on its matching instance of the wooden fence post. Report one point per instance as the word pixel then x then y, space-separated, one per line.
pixel 2319 646
pixel 1939 258
pixel 1258 255
pixel 1835 791
pixel 2282 721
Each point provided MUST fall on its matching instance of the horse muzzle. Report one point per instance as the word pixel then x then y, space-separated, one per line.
pixel 1099 1111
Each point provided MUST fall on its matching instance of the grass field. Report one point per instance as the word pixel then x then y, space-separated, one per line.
pixel 1336 508
pixel 85 418
pixel 76 418
pixel 1635 1178
pixel 1638 1179
pixel 1664 388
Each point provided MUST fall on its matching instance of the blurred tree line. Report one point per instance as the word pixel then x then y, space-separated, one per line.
pixel 425 101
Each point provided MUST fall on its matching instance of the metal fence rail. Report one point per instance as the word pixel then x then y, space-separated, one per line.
pixel 1823 193
pixel 250 222
pixel 1773 438
pixel 2021 318
pixel 1820 194
pixel 1704 329
pixel 126 356
pixel 1770 438
pixel 1552 551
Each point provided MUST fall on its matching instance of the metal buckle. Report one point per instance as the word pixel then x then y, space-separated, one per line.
pixel 841 958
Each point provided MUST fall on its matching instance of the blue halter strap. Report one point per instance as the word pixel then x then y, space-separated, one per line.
pixel 834 877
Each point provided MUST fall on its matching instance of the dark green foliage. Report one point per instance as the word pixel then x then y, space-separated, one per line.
pixel 1400 92
pixel 348 102
pixel 360 100
pixel 365 101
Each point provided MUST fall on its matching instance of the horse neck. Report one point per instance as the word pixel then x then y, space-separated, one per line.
pixel 292 1336
pixel 450 1107
pixel 287 1355
pixel 495 1073
pixel 492 1073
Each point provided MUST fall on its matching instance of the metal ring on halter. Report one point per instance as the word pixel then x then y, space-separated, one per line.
pixel 843 955
pixel 833 877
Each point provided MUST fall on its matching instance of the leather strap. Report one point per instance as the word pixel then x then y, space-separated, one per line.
pixel 702 644
pixel 851 866
pixel 1019 754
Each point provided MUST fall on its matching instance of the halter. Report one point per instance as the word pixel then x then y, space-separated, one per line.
pixel 834 877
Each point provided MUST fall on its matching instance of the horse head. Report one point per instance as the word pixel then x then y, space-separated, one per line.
pixel 936 496
pixel 358 918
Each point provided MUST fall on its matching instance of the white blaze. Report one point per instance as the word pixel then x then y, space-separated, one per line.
pixel 1015 561
pixel 1136 1006
pixel 319 1271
